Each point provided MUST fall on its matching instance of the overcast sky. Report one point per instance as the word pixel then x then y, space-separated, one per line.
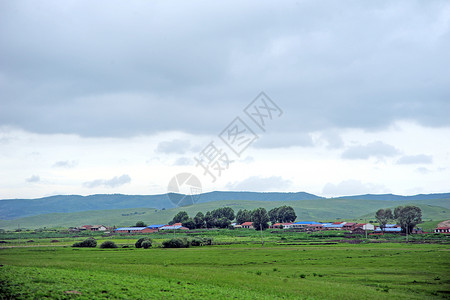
pixel 120 96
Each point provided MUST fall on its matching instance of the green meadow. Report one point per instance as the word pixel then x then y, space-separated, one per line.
pixel 289 266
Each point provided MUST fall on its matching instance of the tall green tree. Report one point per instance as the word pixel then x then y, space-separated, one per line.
pixel 383 216
pixel 189 223
pixel 180 217
pixel 273 215
pixel 199 220
pixel 408 217
pixel 209 220
pixel 260 221
pixel 223 212
pixel 243 216
pixel 141 224
pixel 286 214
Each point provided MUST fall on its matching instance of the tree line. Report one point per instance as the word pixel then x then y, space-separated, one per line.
pixel 406 216
pixel 223 217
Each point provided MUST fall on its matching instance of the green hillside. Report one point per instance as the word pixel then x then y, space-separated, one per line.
pixel 306 210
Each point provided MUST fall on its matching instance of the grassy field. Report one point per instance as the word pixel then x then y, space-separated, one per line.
pixel 306 210
pixel 243 271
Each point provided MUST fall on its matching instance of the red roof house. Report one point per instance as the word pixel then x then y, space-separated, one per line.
pixel 248 225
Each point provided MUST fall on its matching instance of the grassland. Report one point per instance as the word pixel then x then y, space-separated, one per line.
pixel 306 210
pixel 243 271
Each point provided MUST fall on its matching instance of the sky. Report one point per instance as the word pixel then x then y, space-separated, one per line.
pixel 328 97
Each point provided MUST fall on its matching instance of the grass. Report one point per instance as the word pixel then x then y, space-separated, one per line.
pixel 244 271
pixel 306 210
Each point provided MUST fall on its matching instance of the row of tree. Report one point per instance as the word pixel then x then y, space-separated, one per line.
pixel 406 216
pixel 218 218
pixel 222 217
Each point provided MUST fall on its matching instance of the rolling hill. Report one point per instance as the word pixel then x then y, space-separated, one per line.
pixel 306 210
pixel 18 208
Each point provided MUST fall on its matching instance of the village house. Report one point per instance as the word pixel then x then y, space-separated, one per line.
pixel 175 226
pixel 442 230
pixel 134 230
pixel 98 228
pixel 247 225
pixel 314 227
pixel 348 226
pixel 303 225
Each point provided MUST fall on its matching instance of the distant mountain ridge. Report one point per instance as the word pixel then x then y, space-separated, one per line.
pixel 18 208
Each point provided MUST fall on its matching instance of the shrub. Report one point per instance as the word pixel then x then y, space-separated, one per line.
pixel 146 244
pixel 176 243
pixel 90 242
pixel 207 241
pixel 108 244
pixel 197 241
pixel 139 242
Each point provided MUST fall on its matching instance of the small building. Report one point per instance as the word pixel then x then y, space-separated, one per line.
pixel 442 230
pixel 348 226
pixel 98 228
pixel 365 226
pixel 85 227
pixel 147 229
pixel 156 227
pixel 332 227
pixel 247 225
pixel 303 225
pixel 314 227
pixel 173 227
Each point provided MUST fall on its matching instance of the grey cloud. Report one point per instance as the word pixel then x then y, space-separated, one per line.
pixel 65 164
pixel 333 139
pixel 120 69
pixel 174 146
pixel 113 182
pixel 34 178
pixel 415 159
pixel 376 149
pixel 352 187
pixel 260 184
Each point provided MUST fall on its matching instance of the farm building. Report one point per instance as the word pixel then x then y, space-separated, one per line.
pixel 303 224
pixel 156 227
pixel 338 226
pixel 85 227
pixel 348 226
pixel 175 226
pixel 314 227
pixel 135 230
pixel 365 226
pixel 442 230
pixel 389 230
pixel 248 225
pixel 98 228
